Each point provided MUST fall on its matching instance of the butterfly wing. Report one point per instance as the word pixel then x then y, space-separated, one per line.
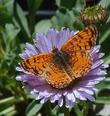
pixel 57 76
pixel 82 41
pixel 46 66
pixel 80 63
pixel 76 49
pixel 37 64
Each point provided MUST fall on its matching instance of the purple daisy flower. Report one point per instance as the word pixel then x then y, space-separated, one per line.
pixel 83 90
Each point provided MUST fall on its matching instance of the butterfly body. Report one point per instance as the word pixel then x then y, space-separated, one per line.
pixel 61 59
pixel 63 67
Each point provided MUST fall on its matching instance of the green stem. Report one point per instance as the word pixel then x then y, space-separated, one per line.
pixel 48 109
pixel 55 110
pixel 11 100
pixel 86 108
pixel 32 14
pixel 66 112
pixel 78 111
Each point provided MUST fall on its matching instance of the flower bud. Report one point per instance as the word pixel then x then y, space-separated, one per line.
pixel 94 15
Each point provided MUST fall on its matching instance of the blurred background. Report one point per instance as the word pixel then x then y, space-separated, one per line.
pixel 19 21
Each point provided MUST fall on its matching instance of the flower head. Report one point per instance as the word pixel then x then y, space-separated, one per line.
pixel 94 15
pixel 82 90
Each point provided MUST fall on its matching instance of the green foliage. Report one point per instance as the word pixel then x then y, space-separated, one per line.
pixel 33 108
pixel 6 11
pixel 16 28
pixel 20 16
pixel 43 26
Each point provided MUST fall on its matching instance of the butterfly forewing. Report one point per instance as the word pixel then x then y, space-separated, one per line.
pixel 82 41
pixel 37 64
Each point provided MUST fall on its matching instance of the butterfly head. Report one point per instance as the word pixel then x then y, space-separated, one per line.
pixel 57 53
pixel 55 50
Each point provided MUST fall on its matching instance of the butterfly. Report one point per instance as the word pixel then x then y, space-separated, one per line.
pixel 61 68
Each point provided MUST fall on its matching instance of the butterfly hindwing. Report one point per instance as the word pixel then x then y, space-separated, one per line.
pixel 57 76
pixel 80 63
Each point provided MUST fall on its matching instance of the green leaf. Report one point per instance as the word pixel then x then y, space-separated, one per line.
pixel 33 5
pixel 63 3
pixel 103 100
pixel 58 2
pixel 105 3
pixel 5 17
pixel 55 110
pixel 61 114
pixel 8 4
pixel 6 100
pixel 61 19
pixel 104 84
pixel 8 35
pixel 10 100
pixel 43 26
pixel 107 59
pixel 22 20
pixel 104 35
pixel 33 108
pixel 6 11
pixel 7 110
pixel 105 111
pixel 11 113
pixel 78 111
pixel 11 31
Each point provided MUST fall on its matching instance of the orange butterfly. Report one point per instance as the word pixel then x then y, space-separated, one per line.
pixel 61 68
